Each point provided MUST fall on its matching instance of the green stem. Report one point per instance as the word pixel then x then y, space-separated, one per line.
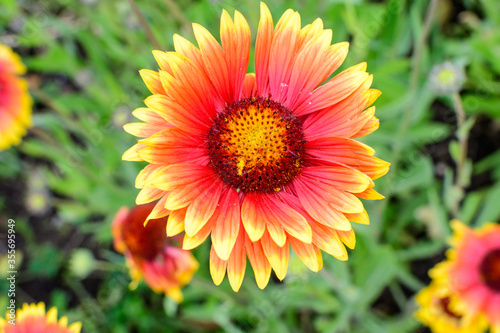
pixel 415 73
pixel 462 141
pixel 144 24
pixel 177 13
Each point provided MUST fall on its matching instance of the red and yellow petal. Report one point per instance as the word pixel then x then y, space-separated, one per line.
pixel 226 221
pixel 263 51
pixel 260 265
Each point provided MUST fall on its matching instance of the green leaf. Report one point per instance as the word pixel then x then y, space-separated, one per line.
pixel 454 149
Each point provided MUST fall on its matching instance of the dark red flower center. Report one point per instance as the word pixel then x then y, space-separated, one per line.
pixel 444 303
pixel 490 270
pixel 256 145
pixel 144 241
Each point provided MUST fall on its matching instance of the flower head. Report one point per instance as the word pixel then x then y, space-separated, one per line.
pixel 33 319
pixel 474 271
pixel 447 78
pixel 260 161
pixel 150 255
pixel 468 282
pixel 442 311
pixel 15 102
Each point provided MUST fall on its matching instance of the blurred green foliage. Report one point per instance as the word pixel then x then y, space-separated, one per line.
pixel 83 57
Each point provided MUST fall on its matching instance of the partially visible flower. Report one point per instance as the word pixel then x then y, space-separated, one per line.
pixel 150 254
pixel 33 319
pixel 474 271
pixel 442 311
pixel 15 102
pixel 447 78
pixel 464 295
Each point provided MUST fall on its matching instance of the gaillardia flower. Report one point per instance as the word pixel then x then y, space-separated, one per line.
pixel 260 161
pixel 442 311
pixel 15 102
pixel 464 295
pixel 165 267
pixel 474 269
pixel 33 319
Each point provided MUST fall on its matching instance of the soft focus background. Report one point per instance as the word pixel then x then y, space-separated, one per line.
pixel 65 181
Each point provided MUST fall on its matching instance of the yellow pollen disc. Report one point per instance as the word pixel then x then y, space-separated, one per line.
pixel 256 138
pixel 256 145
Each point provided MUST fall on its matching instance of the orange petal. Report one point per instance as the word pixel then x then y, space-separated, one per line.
pixel 259 262
pixel 174 113
pixel 191 242
pixel 327 240
pixel 277 256
pixel 374 94
pixel 175 222
pixel 150 116
pixel 337 120
pixel 313 65
pixel 190 88
pixel 159 210
pixel 314 202
pixel 370 126
pixel 370 194
pixel 275 230
pixel 142 130
pixel 341 177
pixel 309 254
pixel 310 32
pixel 162 60
pixel 214 60
pixel 349 152
pixel 148 194
pixel 347 237
pixel 249 87
pixel 182 174
pixel 252 217
pixel 152 81
pixel 361 67
pixel 132 154
pixel 202 208
pixel 263 50
pixel 160 155
pixel 282 55
pixel 339 144
pixel 235 39
pixel 184 196
pixel 172 146
pixel 226 222
pixel 184 47
pixel 361 218
pixel 174 137
pixel 217 267
pixel 237 262
pixel 332 92
pixel 280 214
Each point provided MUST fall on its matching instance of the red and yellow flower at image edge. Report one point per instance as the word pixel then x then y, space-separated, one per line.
pixel 15 102
pixel 32 318
pixel 464 296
